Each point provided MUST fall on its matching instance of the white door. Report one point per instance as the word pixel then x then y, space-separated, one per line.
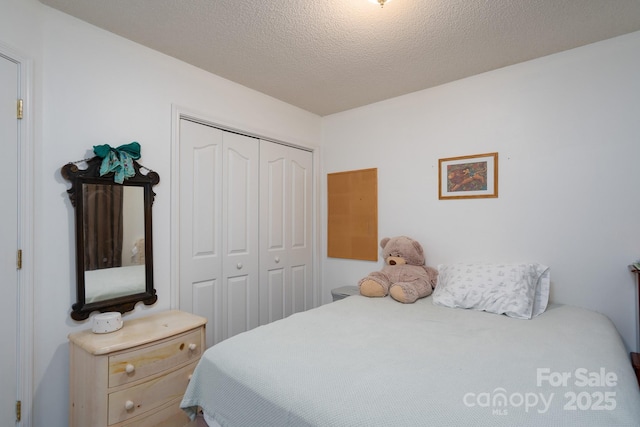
pixel 286 252
pixel 219 228
pixel 9 92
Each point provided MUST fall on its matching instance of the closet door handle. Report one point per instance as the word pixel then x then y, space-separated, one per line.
pixel 277 259
pixel 239 266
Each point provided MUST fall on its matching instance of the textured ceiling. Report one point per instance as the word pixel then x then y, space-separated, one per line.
pixel 327 56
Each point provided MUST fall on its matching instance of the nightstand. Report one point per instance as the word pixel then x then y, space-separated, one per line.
pixel 344 291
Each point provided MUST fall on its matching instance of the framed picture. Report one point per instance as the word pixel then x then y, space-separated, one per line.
pixel 468 177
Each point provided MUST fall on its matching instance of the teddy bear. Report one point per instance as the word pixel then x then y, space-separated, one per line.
pixel 404 276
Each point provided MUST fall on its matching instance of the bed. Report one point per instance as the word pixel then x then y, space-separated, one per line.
pixel 113 282
pixel 373 361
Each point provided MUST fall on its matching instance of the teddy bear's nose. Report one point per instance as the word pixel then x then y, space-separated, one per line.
pixel 392 262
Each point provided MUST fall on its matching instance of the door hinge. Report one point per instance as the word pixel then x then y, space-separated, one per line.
pixel 19 259
pixel 20 109
pixel 18 410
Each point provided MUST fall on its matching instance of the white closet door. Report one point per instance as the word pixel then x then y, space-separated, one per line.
pixel 286 273
pixel 219 228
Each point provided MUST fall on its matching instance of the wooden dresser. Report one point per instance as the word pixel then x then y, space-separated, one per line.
pixel 135 376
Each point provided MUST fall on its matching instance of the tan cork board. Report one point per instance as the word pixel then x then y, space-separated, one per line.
pixel 353 214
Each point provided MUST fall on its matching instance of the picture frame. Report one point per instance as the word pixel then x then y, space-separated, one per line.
pixel 468 177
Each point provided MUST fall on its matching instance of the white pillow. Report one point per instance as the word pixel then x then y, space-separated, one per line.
pixel 516 290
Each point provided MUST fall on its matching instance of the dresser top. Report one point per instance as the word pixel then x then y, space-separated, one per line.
pixel 138 331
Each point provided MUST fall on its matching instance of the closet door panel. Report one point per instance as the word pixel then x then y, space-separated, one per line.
pixel 273 227
pixel 237 202
pixel 301 248
pixel 299 201
pixel 272 308
pixel 238 312
pixel 204 296
pixel 273 196
pixel 240 233
pixel 200 228
pixel 300 288
pixel 205 161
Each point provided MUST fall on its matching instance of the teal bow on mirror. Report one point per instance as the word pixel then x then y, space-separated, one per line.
pixel 118 160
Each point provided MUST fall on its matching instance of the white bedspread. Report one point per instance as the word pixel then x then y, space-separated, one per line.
pixel 114 282
pixel 375 362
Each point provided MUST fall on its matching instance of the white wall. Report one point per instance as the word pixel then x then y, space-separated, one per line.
pixel 566 128
pixel 91 87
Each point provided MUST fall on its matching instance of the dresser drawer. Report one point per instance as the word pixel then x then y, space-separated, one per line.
pixel 152 394
pixel 130 366
pixel 169 415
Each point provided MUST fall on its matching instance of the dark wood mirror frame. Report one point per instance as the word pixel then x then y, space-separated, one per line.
pixel 91 175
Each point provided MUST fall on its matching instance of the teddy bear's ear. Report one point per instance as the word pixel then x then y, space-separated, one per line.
pixel 384 242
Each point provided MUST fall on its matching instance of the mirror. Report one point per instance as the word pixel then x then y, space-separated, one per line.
pixel 114 251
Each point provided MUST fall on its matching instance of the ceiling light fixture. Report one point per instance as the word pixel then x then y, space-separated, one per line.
pixel 380 2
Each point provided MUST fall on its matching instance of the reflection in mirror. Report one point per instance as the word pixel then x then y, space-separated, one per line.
pixel 113 240
pixel 114 250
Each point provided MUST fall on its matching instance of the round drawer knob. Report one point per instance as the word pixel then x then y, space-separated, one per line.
pixel 277 259
pixel 128 405
pixel 239 266
pixel 129 369
pixel 192 346
pixel 190 376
